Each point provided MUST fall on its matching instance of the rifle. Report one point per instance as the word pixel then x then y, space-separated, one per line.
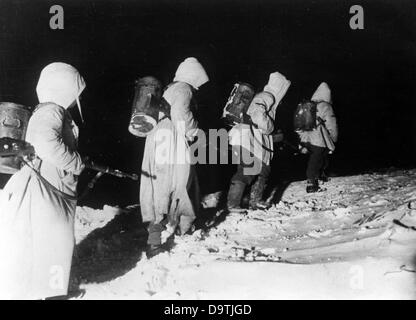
pixel 291 146
pixel 107 170
pixel 329 143
pixel 278 138
pixel 10 147
pixel 103 169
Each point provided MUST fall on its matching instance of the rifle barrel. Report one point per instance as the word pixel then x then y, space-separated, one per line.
pixel 114 172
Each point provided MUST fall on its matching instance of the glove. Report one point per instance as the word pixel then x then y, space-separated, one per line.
pixel 229 121
pixel 247 119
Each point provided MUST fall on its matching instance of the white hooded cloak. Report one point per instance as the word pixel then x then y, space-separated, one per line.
pixel 168 185
pixel 262 110
pixel 326 135
pixel 37 213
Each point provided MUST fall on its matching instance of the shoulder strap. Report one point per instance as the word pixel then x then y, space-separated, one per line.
pixel 260 142
pixel 50 186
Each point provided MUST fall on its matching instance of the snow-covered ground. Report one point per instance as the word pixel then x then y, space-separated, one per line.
pixel 355 240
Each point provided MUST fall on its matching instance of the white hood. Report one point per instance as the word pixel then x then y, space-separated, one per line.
pixel 191 72
pixel 277 86
pixel 323 93
pixel 60 83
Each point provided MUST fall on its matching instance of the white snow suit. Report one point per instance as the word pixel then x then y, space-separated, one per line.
pixel 324 135
pixel 168 186
pixel 37 211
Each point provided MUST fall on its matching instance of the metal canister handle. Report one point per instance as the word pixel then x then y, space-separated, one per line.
pixel 11 125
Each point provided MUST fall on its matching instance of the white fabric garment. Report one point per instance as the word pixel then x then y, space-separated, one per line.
pixel 191 72
pixel 167 184
pixel 278 86
pixel 326 135
pixel 262 110
pixel 36 221
pixel 322 93
pixel 60 83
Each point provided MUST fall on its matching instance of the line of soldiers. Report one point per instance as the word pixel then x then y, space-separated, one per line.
pixel 314 121
pixel 37 205
pixel 169 194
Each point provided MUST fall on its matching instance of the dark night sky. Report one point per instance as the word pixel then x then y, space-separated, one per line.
pixel 371 71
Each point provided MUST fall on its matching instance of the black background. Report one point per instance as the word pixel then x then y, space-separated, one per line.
pixel 371 72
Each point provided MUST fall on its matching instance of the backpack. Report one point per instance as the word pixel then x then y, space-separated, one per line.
pixel 305 116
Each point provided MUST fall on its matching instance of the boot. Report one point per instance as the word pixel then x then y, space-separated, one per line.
pixel 154 244
pixel 324 177
pixel 234 196
pixel 154 249
pixel 256 195
pixel 312 186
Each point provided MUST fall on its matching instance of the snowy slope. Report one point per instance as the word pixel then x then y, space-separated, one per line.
pixel 355 240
